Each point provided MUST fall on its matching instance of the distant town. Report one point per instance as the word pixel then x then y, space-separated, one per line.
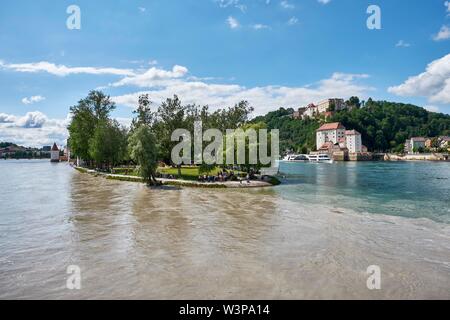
pixel 13 151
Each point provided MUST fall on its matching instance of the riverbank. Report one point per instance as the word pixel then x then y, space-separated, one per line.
pixel 186 183
pixel 417 157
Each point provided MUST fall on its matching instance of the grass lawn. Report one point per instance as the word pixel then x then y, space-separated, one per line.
pixel 187 173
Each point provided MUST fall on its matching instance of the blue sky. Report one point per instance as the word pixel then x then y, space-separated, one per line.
pixel 273 53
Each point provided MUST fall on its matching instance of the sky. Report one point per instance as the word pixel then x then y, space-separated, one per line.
pixel 273 53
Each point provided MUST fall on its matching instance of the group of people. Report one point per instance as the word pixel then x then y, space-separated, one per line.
pixel 224 176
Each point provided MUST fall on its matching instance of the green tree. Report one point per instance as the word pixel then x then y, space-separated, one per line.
pixel 108 145
pixel 86 115
pixel 170 117
pixel 144 114
pixel 144 151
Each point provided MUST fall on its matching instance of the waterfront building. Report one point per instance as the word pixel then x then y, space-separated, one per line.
pixel 342 144
pixel 54 153
pixel 414 144
pixel 329 132
pixel 444 142
pixel 353 141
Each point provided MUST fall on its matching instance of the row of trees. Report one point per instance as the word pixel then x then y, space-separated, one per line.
pixel 103 143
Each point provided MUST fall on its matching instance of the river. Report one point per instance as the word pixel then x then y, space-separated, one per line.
pixel 311 238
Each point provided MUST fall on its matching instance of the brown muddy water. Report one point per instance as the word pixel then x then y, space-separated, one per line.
pixel 133 242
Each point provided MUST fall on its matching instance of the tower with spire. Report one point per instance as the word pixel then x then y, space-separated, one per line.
pixel 54 153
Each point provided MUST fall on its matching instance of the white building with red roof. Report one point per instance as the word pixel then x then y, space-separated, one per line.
pixel 329 132
pixel 353 141
pixel 334 136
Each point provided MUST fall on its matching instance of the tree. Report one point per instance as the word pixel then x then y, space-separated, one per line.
pixel 144 151
pixel 108 145
pixel 170 117
pixel 86 115
pixel 144 114
pixel 354 102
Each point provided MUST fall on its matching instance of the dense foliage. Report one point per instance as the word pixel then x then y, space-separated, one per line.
pixel 94 137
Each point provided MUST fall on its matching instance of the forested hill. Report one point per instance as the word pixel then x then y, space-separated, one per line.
pixel 384 125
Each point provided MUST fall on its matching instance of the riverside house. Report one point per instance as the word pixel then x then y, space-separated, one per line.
pixel 335 140
pixel 413 145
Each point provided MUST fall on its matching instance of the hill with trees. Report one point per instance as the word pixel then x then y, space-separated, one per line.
pixel 385 126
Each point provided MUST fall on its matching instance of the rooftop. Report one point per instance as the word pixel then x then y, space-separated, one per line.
pixel 331 126
pixel 352 133
pixel 55 147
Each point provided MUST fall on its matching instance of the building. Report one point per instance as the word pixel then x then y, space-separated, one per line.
pixel 326 107
pixel 54 153
pixel 331 105
pixel 340 143
pixel 414 144
pixel 299 113
pixel 353 141
pixel 47 148
pixel 329 132
pixel 311 111
pixel 444 142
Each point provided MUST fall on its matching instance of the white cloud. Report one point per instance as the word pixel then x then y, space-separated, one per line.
pixel 443 34
pixel 233 3
pixel 264 99
pixel 233 23
pixel 292 21
pixel 152 76
pixel 34 129
pixel 259 26
pixel 402 44
pixel 33 99
pixel 62 70
pixel 287 5
pixel 142 9
pixel 324 1
pixel 432 108
pixel 447 5
pixel 433 84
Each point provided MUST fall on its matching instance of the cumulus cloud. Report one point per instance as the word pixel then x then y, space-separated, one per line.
pixel 287 5
pixel 62 70
pixel 264 99
pixel 324 1
pixel 233 23
pixel 433 84
pixel 260 26
pixel 33 99
pixel 443 34
pixel 293 21
pixel 152 77
pixel 403 44
pixel 34 129
pixel 432 108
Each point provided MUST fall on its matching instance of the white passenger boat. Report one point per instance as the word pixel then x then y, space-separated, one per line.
pixel 296 158
pixel 320 158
